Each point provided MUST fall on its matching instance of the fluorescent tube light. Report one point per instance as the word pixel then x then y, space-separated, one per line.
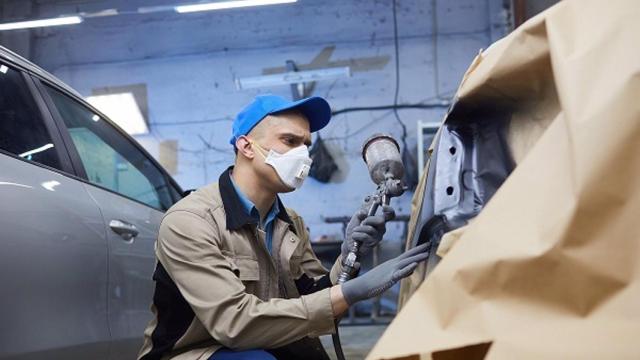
pixel 296 77
pixel 228 5
pixel 67 20
pixel 122 109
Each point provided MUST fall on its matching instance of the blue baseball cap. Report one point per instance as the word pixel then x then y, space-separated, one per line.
pixel 315 109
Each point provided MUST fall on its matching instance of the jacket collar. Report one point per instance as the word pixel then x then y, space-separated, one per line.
pixel 236 214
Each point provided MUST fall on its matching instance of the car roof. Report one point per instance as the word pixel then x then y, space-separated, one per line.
pixel 26 65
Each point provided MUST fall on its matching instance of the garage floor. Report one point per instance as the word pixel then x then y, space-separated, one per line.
pixel 357 341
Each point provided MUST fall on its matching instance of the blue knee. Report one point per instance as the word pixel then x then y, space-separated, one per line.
pixel 226 354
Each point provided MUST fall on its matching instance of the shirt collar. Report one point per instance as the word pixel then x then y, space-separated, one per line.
pixel 239 208
pixel 250 207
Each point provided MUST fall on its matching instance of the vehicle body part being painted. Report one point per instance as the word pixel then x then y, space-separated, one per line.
pixel 470 161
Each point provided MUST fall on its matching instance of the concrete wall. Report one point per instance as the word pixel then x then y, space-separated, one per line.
pixel 189 63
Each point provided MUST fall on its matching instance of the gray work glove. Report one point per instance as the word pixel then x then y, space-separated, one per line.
pixel 368 230
pixel 382 277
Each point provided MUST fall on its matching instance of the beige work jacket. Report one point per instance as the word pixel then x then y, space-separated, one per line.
pixel 218 286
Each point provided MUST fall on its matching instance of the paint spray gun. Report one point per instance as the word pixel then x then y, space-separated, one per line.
pixel 381 153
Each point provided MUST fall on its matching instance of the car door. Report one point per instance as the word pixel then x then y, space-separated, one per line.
pixel 132 193
pixel 53 255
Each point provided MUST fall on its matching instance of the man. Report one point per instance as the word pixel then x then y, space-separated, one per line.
pixel 236 277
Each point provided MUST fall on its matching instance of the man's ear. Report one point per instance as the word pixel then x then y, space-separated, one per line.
pixel 244 147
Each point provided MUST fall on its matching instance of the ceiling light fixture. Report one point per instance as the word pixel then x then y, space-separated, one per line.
pixel 288 78
pixel 66 20
pixel 228 5
pixel 122 109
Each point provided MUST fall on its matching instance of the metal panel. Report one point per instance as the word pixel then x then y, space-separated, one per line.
pixel 131 266
pixel 53 266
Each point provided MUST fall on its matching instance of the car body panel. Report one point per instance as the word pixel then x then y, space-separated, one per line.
pixel 53 265
pixel 470 161
pixel 131 266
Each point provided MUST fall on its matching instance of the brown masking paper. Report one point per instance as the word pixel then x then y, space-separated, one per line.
pixel 550 269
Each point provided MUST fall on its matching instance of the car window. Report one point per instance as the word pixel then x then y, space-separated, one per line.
pixel 22 128
pixel 111 160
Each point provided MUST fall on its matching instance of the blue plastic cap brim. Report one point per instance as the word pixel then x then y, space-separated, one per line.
pixel 315 109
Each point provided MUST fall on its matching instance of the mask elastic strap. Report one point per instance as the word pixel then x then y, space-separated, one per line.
pixel 261 150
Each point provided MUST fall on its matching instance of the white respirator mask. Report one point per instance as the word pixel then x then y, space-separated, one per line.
pixel 292 167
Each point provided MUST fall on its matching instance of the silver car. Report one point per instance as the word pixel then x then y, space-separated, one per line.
pixel 80 207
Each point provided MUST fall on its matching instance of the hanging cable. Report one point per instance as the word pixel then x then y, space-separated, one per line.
pixel 397 70
pixel 443 104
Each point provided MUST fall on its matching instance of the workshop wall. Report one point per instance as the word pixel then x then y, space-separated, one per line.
pixel 189 63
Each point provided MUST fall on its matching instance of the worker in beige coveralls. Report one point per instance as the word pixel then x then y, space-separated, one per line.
pixel 236 277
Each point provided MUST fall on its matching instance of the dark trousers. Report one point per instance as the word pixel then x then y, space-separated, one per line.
pixel 226 354
pixel 306 349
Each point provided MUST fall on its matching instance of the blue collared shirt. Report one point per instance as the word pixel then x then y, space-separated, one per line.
pixel 250 208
